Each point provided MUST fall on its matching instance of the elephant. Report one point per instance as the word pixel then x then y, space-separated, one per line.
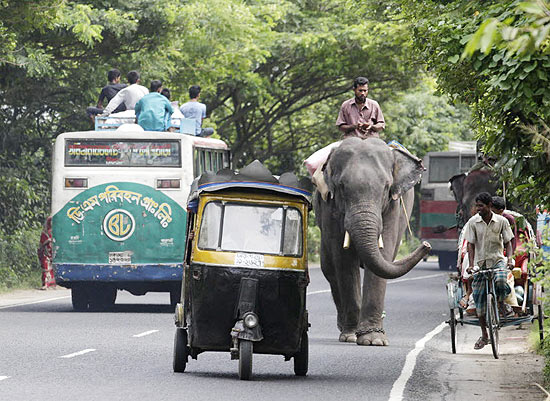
pixel 465 188
pixel 362 202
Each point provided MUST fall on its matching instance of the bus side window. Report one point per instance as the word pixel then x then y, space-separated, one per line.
pixel 199 162
pixel 225 159
pixel 203 161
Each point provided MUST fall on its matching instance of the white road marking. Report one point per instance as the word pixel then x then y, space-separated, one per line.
pixel 85 351
pixel 34 302
pixel 145 333
pixel 401 280
pixel 4 377
pixel 398 388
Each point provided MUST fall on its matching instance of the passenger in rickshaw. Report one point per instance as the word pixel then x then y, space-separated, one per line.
pixel 511 301
pixel 488 234
pixel 467 301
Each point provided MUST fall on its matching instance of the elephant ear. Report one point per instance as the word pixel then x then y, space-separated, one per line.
pixel 407 172
pixel 456 183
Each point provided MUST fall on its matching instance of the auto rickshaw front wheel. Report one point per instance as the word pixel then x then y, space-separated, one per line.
pixel 301 358
pixel 245 359
pixel 180 350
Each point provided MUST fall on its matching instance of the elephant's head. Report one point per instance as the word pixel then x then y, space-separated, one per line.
pixel 467 186
pixel 364 179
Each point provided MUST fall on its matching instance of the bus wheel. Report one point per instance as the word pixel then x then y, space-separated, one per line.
pixel 175 295
pixel 79 298
pixel 103 297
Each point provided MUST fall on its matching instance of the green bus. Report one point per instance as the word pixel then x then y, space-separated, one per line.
pixel 119 210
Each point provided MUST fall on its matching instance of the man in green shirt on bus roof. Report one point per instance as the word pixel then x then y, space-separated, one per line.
pixel 153 110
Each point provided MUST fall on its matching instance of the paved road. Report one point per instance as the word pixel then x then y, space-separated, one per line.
pixel 49 352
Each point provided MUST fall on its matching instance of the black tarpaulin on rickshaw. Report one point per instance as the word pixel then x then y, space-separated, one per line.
pixel 256 176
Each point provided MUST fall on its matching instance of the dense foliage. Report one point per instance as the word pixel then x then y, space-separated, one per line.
pixel 273 73
pixel 502 74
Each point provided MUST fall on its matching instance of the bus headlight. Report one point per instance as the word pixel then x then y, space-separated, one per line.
pixel 250 320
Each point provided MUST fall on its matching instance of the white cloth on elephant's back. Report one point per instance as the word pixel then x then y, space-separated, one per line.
pixel 317 159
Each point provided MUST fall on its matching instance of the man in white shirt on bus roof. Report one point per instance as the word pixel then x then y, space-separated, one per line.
pixel 129 95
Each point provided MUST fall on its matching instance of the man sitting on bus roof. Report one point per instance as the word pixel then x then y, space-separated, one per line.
pixel 196 110
pixel 129 95
pixel 108 92
pixel 153 110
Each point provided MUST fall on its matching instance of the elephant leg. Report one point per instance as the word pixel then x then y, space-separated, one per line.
pixel 342 272
pixel 370 330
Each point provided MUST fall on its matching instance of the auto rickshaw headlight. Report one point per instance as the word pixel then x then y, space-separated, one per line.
pixel 250 320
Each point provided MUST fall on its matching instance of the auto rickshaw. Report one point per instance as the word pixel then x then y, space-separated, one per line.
pixel 245 269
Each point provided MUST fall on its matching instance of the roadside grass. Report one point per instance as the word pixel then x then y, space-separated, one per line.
pixel 408 245
pixel 19 265
pixel 542 348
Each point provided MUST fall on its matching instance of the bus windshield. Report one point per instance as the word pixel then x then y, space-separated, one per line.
pixel 139 153
pixel 442 168
pixel 251 228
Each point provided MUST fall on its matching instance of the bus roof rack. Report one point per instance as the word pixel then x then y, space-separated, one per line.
pixel 114 121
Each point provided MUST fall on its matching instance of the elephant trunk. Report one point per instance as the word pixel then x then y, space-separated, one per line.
pixel 364 228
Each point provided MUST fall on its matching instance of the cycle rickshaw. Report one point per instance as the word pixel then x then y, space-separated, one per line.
pixel 529 293
pixel 245 269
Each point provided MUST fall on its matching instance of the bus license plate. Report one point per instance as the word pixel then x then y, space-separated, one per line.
pixel 120 258
pixel 249 260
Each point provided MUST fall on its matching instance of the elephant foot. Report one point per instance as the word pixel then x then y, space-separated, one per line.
pixel 372 336
pixel 347 337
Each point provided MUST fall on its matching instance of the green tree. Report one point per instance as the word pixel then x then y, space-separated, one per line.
pixel 506 90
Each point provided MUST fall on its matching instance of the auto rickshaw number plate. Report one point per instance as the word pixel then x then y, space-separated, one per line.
pixel 249 260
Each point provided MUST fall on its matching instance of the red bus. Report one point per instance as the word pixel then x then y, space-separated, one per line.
pixel 437 204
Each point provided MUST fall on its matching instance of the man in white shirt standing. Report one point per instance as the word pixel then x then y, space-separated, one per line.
pixel 129 95
pixel 488 234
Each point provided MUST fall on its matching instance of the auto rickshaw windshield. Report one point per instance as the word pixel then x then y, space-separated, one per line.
pixel 251 228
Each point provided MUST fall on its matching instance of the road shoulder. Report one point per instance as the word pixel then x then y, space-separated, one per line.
pixel 23 297
pixel 475 374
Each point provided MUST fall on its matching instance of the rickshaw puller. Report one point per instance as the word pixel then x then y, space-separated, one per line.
pixel 487 235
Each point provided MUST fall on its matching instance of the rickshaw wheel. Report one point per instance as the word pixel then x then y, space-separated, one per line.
pixel 453 324
pixel 180 350
pixel 492 324
pixel 301 358
pixel 245 359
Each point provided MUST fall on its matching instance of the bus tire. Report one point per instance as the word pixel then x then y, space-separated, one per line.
pixel 79 298
pixel 175 295
pixel 447 260
pixel 103 297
